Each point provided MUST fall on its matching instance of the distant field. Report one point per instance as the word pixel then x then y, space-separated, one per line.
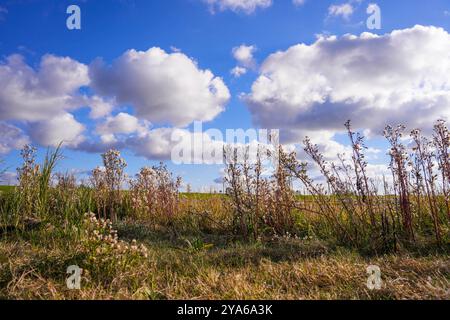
pixel 201 196
pixel 6 188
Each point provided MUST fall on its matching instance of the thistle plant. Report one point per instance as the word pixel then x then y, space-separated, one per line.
pixel 155 194
pixel 424 157
pixel 108 183
pixel 100 191
pixel 27 175
pixel 441 143
pixel 399 168
pixel 261 206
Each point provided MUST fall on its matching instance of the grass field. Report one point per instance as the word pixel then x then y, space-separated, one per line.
pixel 198 260
pixel 6 188
pixel 210 266
pixel 260 240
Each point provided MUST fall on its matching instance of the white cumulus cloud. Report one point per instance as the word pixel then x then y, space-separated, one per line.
pixel 163 88
pixel 245 59
pixel 30 95
pixel 244 55
pixel 123 123
pixel 372 80
pixel 62 129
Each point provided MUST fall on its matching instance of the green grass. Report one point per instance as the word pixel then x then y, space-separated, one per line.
pixel 6 188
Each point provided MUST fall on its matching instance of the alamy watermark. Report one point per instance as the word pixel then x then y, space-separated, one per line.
pixel 214 147
pixel 374 281
pixel 74 280
pixel 73 22
pixel 374 20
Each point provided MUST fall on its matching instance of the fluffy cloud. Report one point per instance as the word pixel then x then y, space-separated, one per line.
pixel 244 55
pixel 54 88
pixel 62 129
pixel 238 71
pixel 344 10
pixel 191 146
pixel 156 144
pixel 246 6
pixel 42 100
pixel 11 138
pixel 187 147
pixel 122 123
pixel 99 107
pixel 162 88
pixel 372 80
pixel 36 95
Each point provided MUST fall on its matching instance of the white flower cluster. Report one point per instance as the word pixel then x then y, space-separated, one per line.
pixel 101 234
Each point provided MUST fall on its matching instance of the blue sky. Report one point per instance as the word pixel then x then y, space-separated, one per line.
pixel 206 33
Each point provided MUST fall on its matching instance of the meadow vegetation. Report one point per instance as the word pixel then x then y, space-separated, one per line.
pixel 259 240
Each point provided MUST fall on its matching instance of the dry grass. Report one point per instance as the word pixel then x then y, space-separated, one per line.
pixel 281 269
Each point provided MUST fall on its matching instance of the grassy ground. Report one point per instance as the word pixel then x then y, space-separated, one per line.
pixel 260 242
pixel 33 266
